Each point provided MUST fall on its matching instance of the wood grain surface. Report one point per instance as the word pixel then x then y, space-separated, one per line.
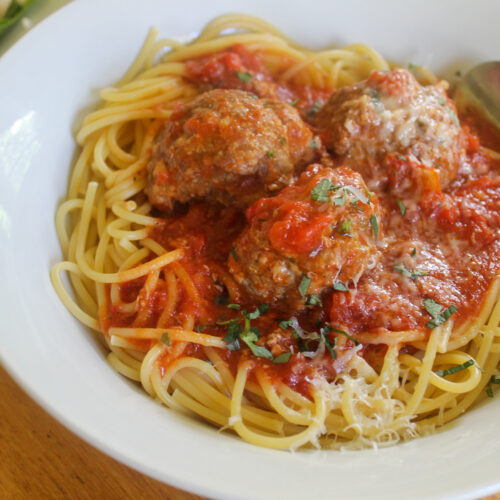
pixel 41 459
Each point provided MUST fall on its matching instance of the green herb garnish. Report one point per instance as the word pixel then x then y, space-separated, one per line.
pixel 345 227
pixel 313 300
pixel 402 158
pixel 489 388
pixel 222 299
pixel 314 144
pixel 374 223
pixel 340 201
pixel 340 287
pixel 321 190
pixel 314 110
pixel 294 102
pixel 165 338
pixel 438 314
pixel 455 369
pixel 304 285
pixel 414 252
pixel 234 254
pixel 407 273
pixel 244 77
pixel 402 208
pixel 271 153
pixel 282 358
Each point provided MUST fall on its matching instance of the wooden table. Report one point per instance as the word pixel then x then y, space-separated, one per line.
pixel 41 459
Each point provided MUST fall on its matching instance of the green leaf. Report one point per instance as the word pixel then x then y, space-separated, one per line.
pixel 314 110
pixel 342 332
pixel 438 314
pixel 294 102
pixel 222 299
pixel 339 201
pixel 244 77
pixel 259 310
pixel 321 190
pixel 407 273
pixel 340 287
pixel 345 227
pixel 271 153
pixel 234 254
pixel 236 307
pixel 324 332
pixel 489 388
pixel 165 338
pixel 455 369
pixel 374 223
pixel 401 206
pixel 304 285
pixel 282 358
pixel 313 300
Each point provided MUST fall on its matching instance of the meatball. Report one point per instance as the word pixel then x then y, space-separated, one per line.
pixel 392 113
pixel 227 146
pixel 320 232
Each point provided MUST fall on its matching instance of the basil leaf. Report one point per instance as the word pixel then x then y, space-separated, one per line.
pixel 304 285
pixel 455 369
pixel 282 358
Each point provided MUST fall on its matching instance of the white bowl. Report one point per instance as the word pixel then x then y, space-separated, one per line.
pixel 46 80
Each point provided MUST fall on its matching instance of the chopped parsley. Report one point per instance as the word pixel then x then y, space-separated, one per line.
pixel 314 110
pixel 321 190
pixel 271 153
pixel 401 206
pixel 285 324
pixel 222 299
pixel 282 358
pixel 374 94
pixel 234 254
pixel 244 77
pixel 314 144
pixel 250 337
pixel 342 332
pixel 407 273
pixel 458 73
pixel 313 300
pixel 414 252
pixel 345 227
pixel 455 369
pixel 402 158
pixel 259 311
pixel 236 307
pixel 489 387
pixel 324 332
pixel 294 102
pixel 165 338
pixel 340 287
pixel 304 285
pixel 340 201
pixel 233 333
pixel 438 313
pixel 374 223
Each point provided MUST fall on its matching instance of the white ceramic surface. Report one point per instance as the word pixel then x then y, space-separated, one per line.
pixel 46 79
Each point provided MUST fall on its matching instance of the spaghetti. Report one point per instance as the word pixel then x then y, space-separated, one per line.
pixel 168 293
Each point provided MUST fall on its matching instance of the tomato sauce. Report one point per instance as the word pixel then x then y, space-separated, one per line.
pixel 439 245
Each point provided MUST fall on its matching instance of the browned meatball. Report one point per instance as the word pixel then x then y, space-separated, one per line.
pixel 323 229
pixel 227 146
pixel 392 113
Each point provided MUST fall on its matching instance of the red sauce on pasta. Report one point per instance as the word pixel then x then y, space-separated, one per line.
pixel 437 244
